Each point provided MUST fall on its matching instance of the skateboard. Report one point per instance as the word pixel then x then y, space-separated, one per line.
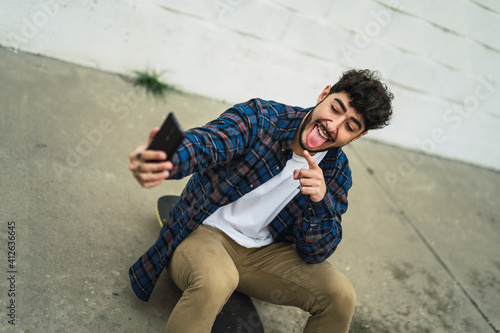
pixel 238 314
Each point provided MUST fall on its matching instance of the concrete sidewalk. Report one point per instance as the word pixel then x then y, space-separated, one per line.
pixel 420 237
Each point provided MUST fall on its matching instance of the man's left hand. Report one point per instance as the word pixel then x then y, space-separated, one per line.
pixel 311 180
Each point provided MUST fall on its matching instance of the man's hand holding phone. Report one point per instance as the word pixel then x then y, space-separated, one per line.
pixel 150 163
pixel 149 167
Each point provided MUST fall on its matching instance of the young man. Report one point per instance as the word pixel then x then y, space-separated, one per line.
pixel 262 210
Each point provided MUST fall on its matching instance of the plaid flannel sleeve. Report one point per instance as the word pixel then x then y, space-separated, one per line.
pixel 217 142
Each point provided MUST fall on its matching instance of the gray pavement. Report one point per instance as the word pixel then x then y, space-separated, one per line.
pixel 420 237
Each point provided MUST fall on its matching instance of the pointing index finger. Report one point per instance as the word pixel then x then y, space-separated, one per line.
pixel 310 160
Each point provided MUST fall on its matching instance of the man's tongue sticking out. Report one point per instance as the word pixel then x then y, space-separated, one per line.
pixel 314 139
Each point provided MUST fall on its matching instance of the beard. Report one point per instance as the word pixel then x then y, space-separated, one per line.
pixel 303 126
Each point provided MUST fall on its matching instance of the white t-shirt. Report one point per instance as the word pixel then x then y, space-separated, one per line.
pixel 246 219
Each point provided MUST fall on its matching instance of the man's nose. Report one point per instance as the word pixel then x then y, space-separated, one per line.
pixel 334 125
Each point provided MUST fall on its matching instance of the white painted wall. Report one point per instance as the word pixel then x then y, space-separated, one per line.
pixel 441 57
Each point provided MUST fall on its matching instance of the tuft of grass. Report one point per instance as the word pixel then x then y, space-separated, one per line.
pixel 150 80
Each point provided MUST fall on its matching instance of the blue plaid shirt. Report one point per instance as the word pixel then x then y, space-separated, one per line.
pixel 246 146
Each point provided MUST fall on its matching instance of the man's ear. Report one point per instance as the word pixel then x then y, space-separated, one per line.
pixel 362 134
pixel 323 94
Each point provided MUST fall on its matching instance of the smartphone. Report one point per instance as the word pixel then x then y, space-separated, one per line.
pixel 169 137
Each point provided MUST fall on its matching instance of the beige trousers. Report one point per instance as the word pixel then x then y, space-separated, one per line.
pixel 208 266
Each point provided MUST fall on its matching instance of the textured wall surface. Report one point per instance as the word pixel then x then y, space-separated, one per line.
pixel 441 58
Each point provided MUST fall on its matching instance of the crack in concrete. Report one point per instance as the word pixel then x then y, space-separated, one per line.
pixel 421 236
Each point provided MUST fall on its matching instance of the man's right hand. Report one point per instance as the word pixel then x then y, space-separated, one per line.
pixel 149 167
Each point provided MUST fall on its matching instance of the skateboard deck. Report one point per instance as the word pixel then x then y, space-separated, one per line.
pixel 239 313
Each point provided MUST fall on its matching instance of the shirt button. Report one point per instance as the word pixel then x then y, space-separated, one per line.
pixel 251 185
pixel 277 168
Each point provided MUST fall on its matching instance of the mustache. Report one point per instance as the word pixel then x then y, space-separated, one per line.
pixel 327 133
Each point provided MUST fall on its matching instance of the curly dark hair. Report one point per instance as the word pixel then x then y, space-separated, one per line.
pixel 368 96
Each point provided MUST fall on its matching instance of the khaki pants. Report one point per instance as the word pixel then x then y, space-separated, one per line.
pixel 208 266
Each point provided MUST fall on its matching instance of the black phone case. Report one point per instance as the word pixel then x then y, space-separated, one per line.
pixel 169 137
